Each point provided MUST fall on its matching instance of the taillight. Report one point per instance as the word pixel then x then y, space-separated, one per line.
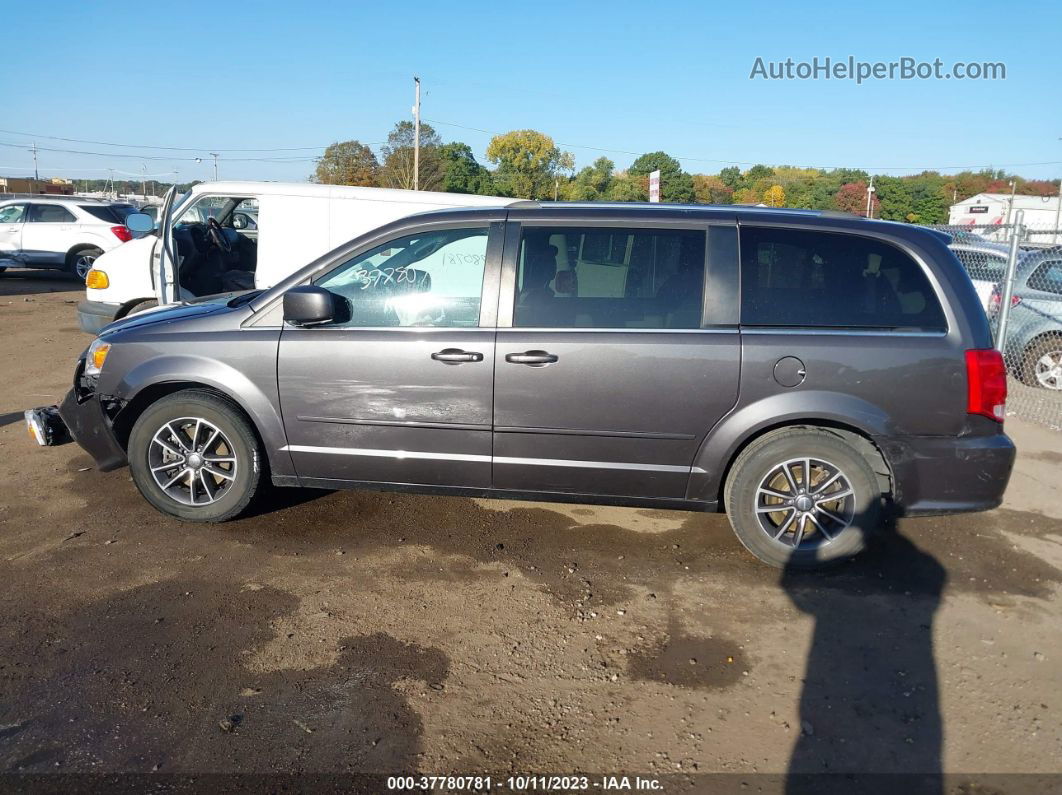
pixel 122 233
pixel 986 384
pixel 995 301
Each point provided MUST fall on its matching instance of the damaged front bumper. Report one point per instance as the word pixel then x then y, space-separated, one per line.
pixel 83 418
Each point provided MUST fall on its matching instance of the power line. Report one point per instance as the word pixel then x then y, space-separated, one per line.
pixel 753 163
pixel 163 148
pixel 164 157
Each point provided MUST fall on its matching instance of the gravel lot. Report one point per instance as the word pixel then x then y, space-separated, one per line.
pixel 364 632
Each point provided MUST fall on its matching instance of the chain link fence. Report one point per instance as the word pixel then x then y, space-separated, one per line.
pixel 1017 272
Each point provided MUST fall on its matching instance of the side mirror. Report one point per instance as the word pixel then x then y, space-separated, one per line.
pixel 308 306
pixel 139 223
pixel 240 221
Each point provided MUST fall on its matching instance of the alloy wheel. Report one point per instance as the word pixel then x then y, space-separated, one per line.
pixel 1049 370
pixel 805 502
pixel 192 461
pixel 83 264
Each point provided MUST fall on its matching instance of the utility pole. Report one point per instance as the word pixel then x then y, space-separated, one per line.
pixel 36 176
pixel 870 197
pixel 215 156
pixel 1010 203
pixel 416 133
pixel 143 181
pixel 1058 213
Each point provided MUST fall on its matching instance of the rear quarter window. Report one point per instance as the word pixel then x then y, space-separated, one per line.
pixel 102 212
pixel 818 279
pixel 1047 277
pixel 981 265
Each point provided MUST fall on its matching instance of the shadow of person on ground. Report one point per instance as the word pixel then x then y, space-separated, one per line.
pixel 163 678
pixel 870 703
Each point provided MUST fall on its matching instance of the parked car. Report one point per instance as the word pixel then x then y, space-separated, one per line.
pixel 209 240
pixel 68 233
pixel 839 370
pixel 1033 348
pixel 985 262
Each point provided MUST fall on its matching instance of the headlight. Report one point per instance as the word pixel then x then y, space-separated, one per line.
pixel 96 356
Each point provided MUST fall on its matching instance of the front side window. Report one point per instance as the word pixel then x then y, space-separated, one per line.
pixel 827 279
pixel 207 207
pixel 50 214
pixel 610 277
pixel 431 278
pixel 12 214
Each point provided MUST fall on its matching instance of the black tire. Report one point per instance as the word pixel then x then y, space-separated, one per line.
pixel 764 456
pixel 150 303
pixel 1047 345
pixel 79 261
pixel 234 495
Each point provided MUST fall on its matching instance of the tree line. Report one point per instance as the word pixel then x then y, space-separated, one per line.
pixel 528 164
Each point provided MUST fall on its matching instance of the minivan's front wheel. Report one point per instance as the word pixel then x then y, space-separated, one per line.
pixel 802 498
pixel 194 456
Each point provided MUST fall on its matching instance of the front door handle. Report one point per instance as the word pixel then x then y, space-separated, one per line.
pixel 456 356
pixel 531 358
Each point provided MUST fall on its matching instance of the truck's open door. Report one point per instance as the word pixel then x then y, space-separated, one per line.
pixel 164 258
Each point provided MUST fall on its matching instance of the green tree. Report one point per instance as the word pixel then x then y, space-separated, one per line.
pixel 731 177
pixel 462 173
pixel 626 188
pixel 528 163
pixel 399 156
pixel 897 204
pixel 758 172
pixel 929 198
pixel 347 163
pixel 675 184
pixel 592 182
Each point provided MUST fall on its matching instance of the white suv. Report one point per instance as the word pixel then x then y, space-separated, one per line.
pixel 59 232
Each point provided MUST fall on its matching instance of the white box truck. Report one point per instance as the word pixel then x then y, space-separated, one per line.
pixel 227 236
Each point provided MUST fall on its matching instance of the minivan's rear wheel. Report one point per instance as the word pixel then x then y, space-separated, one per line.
pixel 80 262
pixel 194 456
pixel 802 498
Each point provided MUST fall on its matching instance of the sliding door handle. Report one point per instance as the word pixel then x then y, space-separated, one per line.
pixel 456 356
pixel 531 358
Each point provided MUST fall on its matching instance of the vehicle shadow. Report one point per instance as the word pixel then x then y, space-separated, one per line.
pixel 16 281
pixel 274 499
pixel 870 708
pixel 7 419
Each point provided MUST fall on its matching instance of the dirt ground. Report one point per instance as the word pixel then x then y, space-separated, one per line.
pixel 366 632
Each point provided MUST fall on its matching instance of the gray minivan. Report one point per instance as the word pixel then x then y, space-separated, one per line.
pixel 807 373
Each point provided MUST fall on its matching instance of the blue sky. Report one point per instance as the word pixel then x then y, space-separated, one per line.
pixel 633 77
